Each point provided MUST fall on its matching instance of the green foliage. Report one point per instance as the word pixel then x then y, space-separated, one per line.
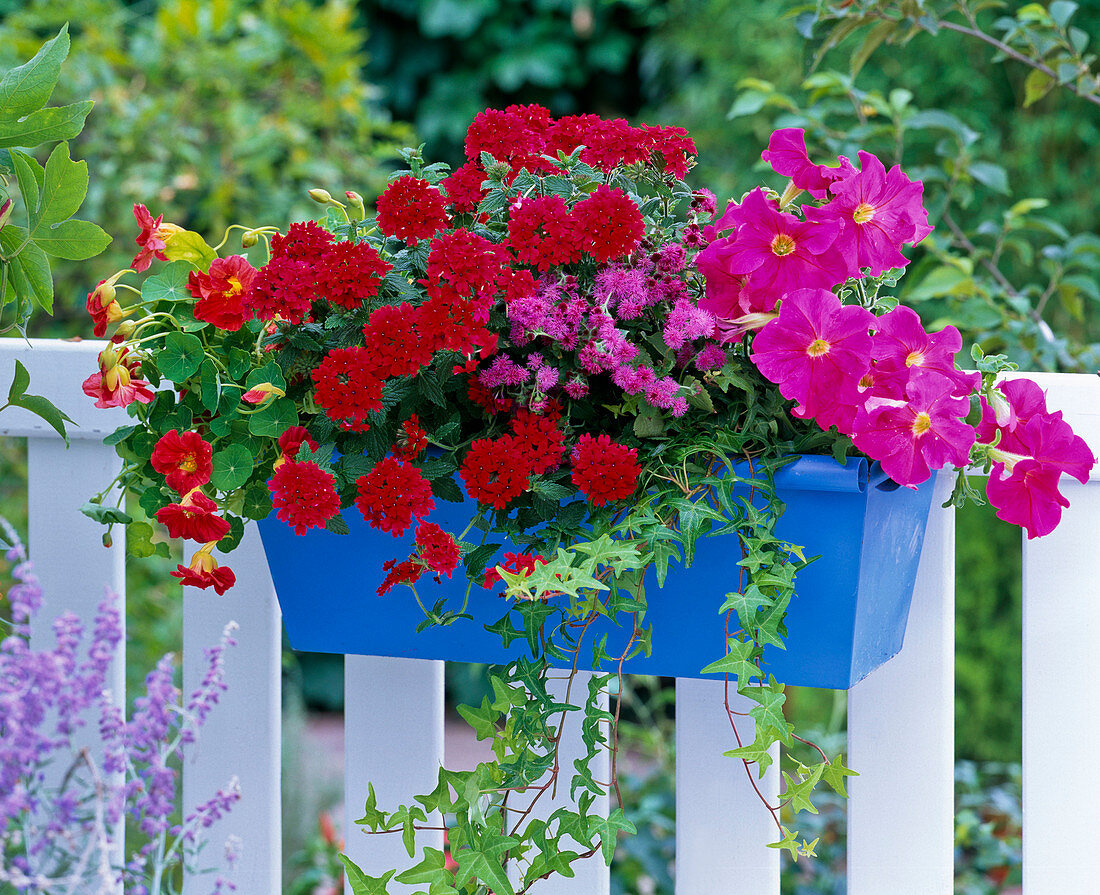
pixel 49 196
pixel 210 111
pixel 573 57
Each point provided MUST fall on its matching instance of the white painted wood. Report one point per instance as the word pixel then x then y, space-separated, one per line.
pixel 57 370
pixel 393 739
pixel 722 829
pixel 593 876
pixel 242 734
pixel 74 568
pixel 1062 695
pixel 901 738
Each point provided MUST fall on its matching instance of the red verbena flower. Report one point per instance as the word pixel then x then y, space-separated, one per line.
pixel 304 495
pixel 193 518
pixel 495 472
pixel 284 289
pixel 391 494
pixel 542 233
pixel 406 572
pixel 438 550
pixel 183 459
pixel 349 273
pixel 604 470
pixel 610 224
pixel 538 439
pixel 205 572
pixel 305 241
pixel 411 439
pixel 411 209
pixel 463 187
pixel 222 292
pixel 347 386
pixel 392 339
pixel 674 146
pixel 516 136
pixel 467 262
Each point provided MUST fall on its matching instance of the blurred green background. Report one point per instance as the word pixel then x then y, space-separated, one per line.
pixel 215 111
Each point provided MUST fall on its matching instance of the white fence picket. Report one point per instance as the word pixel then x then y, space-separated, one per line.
pixel 901 735
pixel 1062 666
pixel 722 829
pixel 393 739
pixel 900 718
pixel 242 735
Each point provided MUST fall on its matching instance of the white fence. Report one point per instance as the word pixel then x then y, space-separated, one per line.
pixel 900 816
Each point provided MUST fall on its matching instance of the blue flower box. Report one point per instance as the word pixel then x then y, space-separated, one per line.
pixel 848 616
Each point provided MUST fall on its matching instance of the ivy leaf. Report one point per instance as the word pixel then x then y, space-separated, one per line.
pixel 360 883
pixel 431 869
pixel 232 467
pixel 737 662
pixel 607 828
pixel 769 708
pixel 505 630
pixel 757 752
pixel 181 357
pixel 789 842
pixel 834 773
pixel 486 863
pixel 372 817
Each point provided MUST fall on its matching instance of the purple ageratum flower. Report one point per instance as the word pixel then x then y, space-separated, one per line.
pixel 576 388
pixel 787 155
pixel 914 436
pixel 816 350
pixel 704 203
pixel 623 290
pixel 877 212
pixel 712 357
pixel 670 258
pixel 901 343
pixel 687 322
pixel 779 253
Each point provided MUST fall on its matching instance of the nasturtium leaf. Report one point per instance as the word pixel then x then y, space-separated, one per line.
pixel 181 356
pixel 210 385
pixel 274 419
pixel 239 362
pixel 232 467
pixel 269 372
pixel 257 501
pixel 236 532
pixel 168 285
pixel 189 246
pixel 139 539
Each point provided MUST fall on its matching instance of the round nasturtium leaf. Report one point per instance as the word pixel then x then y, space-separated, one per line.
pixel 181 356
pixel 232 467
pixel 274 419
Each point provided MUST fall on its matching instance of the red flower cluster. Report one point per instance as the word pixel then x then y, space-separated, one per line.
pixel 438 550
pixel 411 439
pixel 542 233
pixel 193 518
pixel 184 460
pixel 495 471
pixel 463 187
pixel 391 494
pixel 604 470
pixel 349 273
pixel 346 384
pixel 407 572
pixel 538 440
pixel 411 210
pixel 610 224
pixel 291 441
pixel 469 264
pixel 223 292
pixel 304 495
pixel 394 343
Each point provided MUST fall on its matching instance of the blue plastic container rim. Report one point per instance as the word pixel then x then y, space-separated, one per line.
pixel 812 472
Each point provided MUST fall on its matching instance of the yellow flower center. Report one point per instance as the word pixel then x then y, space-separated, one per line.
pixel 914 359
pixel 863 213
pixel 782 244
pixel 189 463
pixel 235 287
pixel 818 347
pixel 922 424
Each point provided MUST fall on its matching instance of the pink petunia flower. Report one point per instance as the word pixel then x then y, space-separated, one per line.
pixel 901 344
pixel 877 212
pixel 1028 496
pixel 787 155
pixel 914 436
pixel 816 350
pixel 779 253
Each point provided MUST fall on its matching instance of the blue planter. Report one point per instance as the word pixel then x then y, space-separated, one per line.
pixel 847 619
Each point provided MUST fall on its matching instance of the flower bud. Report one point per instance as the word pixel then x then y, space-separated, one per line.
pixel 260 393
pixel 105 293
pixel 5 211
pixel 125 330
pixel 1002 410
pixel 356 203
pixel 323 197
pixel 249 238
pixel 107 541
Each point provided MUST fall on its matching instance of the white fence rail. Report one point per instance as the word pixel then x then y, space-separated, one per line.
pixel 901 718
